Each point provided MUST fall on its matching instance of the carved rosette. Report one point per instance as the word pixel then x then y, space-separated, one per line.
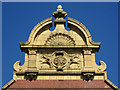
pixel 59 62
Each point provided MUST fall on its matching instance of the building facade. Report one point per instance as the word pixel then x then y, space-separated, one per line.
pixel 60 59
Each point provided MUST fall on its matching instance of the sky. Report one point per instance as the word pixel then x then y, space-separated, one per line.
pixel 100 18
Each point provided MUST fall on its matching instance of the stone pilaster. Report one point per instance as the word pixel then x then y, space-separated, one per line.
pixel 87 58
pixel 32 59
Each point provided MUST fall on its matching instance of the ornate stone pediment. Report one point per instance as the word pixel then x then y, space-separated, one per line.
pixel 60 58
pixel 60 52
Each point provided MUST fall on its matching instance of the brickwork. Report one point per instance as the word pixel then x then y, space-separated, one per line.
pixel 59 84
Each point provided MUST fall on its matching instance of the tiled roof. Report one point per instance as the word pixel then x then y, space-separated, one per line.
pixel 58 84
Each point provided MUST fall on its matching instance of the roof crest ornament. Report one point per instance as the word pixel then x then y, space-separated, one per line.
pixel 59 8
pixel 59 15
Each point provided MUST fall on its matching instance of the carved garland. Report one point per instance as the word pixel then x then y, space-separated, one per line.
pixel 60 39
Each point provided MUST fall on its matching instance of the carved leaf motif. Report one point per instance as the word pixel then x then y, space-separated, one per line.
pixel 44 62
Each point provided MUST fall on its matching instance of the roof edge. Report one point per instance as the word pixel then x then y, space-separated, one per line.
pixel 111 84
pixel 8 84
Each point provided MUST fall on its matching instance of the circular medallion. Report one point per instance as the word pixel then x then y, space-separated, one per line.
pixel 60 61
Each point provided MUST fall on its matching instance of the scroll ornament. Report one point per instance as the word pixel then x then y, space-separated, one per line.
pixel 102 66
pixel 19 68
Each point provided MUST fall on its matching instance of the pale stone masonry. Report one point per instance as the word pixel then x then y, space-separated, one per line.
pixel 60 55
pixel 60 51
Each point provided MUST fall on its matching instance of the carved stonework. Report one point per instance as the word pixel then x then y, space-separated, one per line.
pixel 60 14
pixel 32 51
pixel 76 63
pixel 31 76
pixel 44 62
pixel 60 39
pixel 87 51
pixel 60 60
pixel 87 76
pixel 60 55
pixel 102 67
pixel 66 54
pixel 17 66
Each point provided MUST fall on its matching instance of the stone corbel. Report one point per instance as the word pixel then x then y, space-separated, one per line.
pixel 87 51
pixel 102 66
pixel 88 76
pixel 31 76
pixel 32 51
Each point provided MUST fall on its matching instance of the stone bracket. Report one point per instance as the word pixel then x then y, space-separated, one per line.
pixel 31 76
pixel 88 76
pixel 87 51
pixel 32 51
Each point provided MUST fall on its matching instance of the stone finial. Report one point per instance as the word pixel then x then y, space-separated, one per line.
pixel 59 13
pixel 59 8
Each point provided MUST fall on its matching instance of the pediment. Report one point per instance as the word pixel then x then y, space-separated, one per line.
pixel 77 36
pixel 60 52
